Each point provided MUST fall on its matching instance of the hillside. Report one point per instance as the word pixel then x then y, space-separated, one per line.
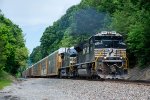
pixel 139 74
pixel 130 18
pixel 5 79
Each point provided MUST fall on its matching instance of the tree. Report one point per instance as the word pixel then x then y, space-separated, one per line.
pixel 36 54
pixel 13 52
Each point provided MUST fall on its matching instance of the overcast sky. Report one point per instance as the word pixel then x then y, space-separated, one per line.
pixel 33 16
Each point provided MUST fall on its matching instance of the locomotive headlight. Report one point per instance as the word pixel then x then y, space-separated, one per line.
pixel 120 57
pixel 105 57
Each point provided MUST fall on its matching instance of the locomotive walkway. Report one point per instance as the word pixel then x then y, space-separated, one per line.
pixel 67 89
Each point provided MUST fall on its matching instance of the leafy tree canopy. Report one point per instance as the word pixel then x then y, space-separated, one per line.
pixel 13 53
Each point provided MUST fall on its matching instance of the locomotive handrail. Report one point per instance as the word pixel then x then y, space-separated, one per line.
pixel 125 57
pixel 100 53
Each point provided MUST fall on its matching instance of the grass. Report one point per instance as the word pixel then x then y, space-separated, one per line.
pixel 5 79
pixel 4 83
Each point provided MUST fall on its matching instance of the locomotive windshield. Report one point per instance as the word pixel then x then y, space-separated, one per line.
pixel 109 42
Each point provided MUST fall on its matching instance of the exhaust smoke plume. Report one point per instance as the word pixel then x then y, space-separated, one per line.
pixel 89 21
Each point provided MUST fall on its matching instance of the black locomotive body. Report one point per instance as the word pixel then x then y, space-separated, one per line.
pixel 102 55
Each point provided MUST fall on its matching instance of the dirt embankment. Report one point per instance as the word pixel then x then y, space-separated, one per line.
pixel 138 74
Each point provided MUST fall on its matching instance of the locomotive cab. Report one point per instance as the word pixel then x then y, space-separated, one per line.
pixel 110 55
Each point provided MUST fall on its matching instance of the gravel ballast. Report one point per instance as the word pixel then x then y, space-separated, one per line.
pixel 67 89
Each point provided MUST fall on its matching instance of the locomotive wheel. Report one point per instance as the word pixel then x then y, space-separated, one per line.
pixel 59 75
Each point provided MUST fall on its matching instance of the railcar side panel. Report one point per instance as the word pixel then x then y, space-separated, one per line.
pixel 29 72
pixel 39 69
pixel 35 70
pixel 43 67
pixel 52 63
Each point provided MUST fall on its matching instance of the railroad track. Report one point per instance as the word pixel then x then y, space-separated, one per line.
pixel 137 82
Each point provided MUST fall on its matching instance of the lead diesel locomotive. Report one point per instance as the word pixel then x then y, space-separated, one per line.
pixel 102 56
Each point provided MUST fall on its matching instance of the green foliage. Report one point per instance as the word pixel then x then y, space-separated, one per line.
pixel 131 18
pixel 36 54
pixel 13 53
pixel 4 83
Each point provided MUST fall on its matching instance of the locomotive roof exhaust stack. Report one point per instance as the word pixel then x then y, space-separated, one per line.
pixel 105 33
pixel 108 32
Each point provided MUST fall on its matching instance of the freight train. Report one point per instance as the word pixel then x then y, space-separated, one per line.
pixel 102 56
